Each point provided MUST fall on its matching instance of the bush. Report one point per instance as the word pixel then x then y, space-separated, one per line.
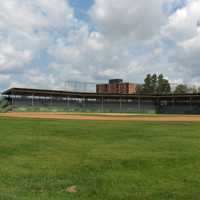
pixel 4 106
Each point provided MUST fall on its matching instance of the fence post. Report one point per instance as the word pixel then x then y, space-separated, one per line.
pixel 102 104
pixel 139 105
pixel 51 100
pixel 67 102
pixel 84 104
pixel 32 103
pixel 12 101
pixel 120 103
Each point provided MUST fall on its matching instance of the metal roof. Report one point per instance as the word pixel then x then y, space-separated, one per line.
pixel 43 92
pixel 62 93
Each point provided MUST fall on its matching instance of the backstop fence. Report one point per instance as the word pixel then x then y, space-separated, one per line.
pixel 72 104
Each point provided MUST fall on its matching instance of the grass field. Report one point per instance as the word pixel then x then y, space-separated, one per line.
pixel 109 160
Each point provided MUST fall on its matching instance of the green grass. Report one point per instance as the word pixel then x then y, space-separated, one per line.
pixel 39 159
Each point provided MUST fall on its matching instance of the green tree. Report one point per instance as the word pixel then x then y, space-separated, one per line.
pixel 154 84
pixel 3 104
pixel 193 90
pixel 139 89
pixel 163 85
pixel 181 89
pixel 150 83
pixel 147 84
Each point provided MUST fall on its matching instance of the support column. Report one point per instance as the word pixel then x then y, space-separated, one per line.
pixel 120 104
pixel 51 101
pixel 12 102
pixel 102 104
pixel 190 101
pixel 158 106
pixel 32 100
pixel 84 103
pixel 68 103
pixel 191 105
pixel 173 102
pixel 139 104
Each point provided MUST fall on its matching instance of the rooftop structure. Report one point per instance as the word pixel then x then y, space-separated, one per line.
pixel 116 86
pixel 115 81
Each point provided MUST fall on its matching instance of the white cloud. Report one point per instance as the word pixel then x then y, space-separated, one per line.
pixel 95 41
pixel 44 41
pixel 26 28
pixel 9 57
pixel 4 78
pixel 182 25
pixel 184 31
pixel 138 19
pixel 57 13
pixel 23 15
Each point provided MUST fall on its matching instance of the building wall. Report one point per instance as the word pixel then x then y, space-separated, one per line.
pixel 122 88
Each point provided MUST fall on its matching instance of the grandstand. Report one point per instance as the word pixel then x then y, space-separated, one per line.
pixel 60 100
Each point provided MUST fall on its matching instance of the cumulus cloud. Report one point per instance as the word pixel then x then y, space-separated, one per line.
pixel 9 57
pixel 4 78
pixel 23 15
pixel 139 19
pixel 42 42
pixel 25 28
pixel 183 30
pixel 183 24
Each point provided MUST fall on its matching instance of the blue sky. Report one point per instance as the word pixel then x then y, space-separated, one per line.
pixel 81 8
pixel 43 43
pixel 81 5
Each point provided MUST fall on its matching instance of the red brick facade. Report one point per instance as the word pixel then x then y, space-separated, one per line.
pixel 118 88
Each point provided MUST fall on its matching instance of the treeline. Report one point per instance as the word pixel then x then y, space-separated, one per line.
pixel 157 84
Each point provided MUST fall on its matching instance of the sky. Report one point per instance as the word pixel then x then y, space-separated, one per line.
pixel 43 43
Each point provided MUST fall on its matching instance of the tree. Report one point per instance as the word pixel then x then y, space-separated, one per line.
pixel 147 84
pixel 3 104
pixel 150 83
pixel 193 90
pixel 181 89
pixel 163 85
pixel 154 84
pixel 139 89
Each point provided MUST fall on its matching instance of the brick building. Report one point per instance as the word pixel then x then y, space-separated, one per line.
pixel 116 86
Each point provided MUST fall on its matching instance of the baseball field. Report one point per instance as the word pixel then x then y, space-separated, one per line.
pixel 96 157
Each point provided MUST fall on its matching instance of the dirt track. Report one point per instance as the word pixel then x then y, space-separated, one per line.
pixel 103 117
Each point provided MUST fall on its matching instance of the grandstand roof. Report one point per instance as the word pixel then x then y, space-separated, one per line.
pixel 63 93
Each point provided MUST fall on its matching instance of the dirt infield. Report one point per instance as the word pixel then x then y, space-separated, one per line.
pixel 103 117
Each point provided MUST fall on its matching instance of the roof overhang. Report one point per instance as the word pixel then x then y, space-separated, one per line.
pixel 62 93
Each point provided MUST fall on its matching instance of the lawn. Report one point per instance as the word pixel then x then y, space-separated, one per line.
pixel 40 159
